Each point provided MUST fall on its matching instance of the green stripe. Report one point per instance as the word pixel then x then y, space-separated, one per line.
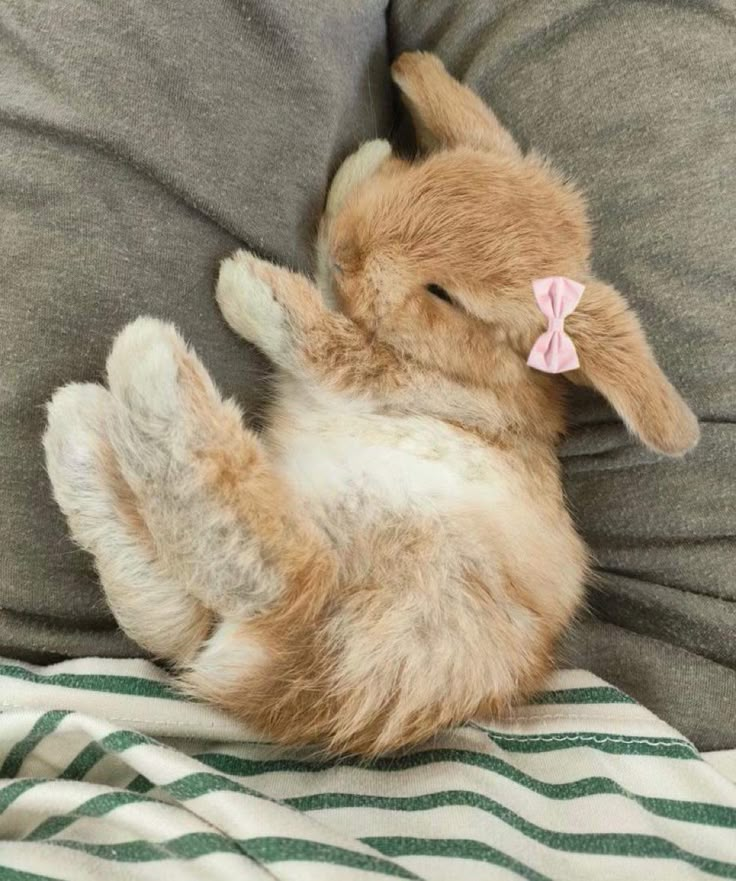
pixel 83 763
pixel 185 847
pixel 641 846
pixel 131 685
pixel 240 767
pixel 462 848
pixel 578 842
pixel 203 783
pixel 703 813
pixel 8 874
pixel 139 686
pixel 45 724
pixel 261 850
pixel 97 806
pixel 596 695
pixel 14 790
pixel 617 744
pixel 119 741
pixel 140 783
pixel 280 850
pixel 93 752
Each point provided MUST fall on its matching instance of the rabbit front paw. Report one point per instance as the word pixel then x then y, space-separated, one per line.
pixel 249 303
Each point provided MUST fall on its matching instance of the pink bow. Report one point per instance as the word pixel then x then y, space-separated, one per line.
pixel 554 351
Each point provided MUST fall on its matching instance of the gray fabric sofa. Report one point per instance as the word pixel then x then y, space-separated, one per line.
pixel 142 142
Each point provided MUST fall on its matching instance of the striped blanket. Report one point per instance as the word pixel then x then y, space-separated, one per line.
pixel 109 774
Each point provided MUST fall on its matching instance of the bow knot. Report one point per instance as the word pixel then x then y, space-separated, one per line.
pixel 557 297
pixel 556 323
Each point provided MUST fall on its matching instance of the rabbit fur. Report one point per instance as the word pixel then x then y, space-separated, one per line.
pixel 391 554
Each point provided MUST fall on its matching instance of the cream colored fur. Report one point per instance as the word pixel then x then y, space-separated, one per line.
pixel 392 554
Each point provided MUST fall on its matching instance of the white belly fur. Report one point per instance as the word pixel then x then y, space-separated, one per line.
pixel 341 453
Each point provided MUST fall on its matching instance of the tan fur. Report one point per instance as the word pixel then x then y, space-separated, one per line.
pixel 392 554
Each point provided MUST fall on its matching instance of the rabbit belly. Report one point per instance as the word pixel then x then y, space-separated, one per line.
pixel 344 458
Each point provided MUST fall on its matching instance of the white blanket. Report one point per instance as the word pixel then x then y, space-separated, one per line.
pixel 108 774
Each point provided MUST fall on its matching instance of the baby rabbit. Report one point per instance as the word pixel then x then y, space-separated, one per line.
pixel 391 554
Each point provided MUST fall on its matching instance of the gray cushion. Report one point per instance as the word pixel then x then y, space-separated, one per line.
pixel 140 143
pixel 637 101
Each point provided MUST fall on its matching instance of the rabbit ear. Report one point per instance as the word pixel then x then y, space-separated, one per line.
pixel 358 166
pixel 616 359
pixel 446 113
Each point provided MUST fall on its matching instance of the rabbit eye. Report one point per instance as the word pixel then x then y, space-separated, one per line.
pixel 439 292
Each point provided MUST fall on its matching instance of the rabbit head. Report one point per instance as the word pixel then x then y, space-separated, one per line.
pixel 435 257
